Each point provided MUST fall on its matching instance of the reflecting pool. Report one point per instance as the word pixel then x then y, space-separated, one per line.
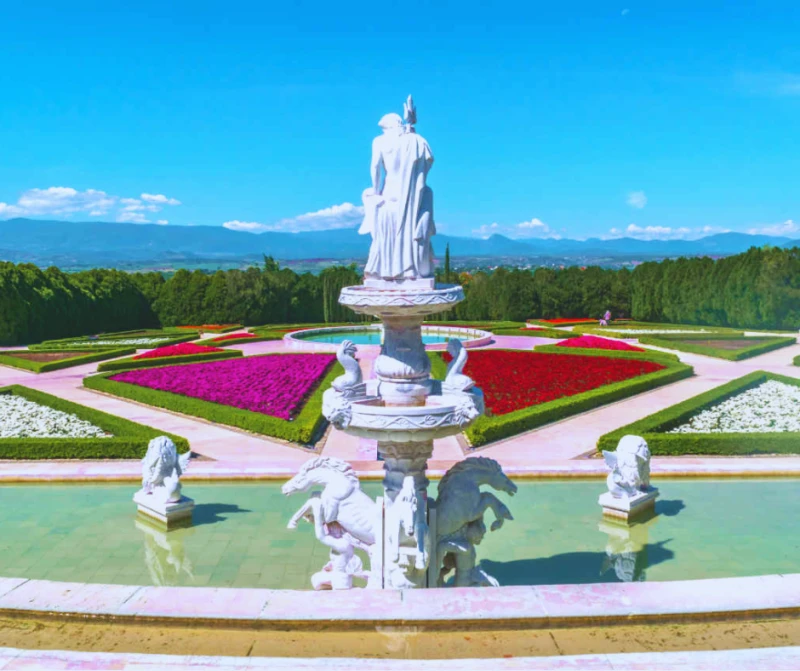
pixel 704 529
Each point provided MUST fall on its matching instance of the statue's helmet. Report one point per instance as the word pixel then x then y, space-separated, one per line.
pixel 390 120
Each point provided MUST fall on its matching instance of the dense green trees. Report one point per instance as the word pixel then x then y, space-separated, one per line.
pixel 758 289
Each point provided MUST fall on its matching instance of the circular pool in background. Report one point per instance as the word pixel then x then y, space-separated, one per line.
pixel 433 337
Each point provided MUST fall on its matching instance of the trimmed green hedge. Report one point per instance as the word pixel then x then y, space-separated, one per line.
pixel 677 342
pixel 302 429
pixel 536 333
pixel 620 331
pixel 81 343
pixel 648 355
pixel 653 428
pixel 227 329
pixel 797 361
pixel 489 429
pixel 131 363
pixel 238 341
pixel 89 356
pixel 577 322
pixel 129 439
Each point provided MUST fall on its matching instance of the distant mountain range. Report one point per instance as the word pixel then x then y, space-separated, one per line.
pixel 109 244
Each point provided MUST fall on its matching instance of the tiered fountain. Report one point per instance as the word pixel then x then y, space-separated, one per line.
pixel 411 540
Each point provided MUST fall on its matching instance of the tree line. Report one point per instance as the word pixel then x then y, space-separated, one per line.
pixel 757 289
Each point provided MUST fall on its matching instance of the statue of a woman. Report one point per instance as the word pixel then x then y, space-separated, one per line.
pixel 398 208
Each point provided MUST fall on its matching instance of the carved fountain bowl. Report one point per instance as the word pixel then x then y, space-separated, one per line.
pixel 401 302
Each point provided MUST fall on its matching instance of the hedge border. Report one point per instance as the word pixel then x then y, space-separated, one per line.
pixel 577 322
pixel 610 332
pixel 555 334
pixel 90 356
pixel 491 429
pixel 158 362
pixel 129 441
pixel 302 429
pixel 796 360
pixel 227 329
pixel 647 355
pixel 653 427
pixel 235 341
pixel 65 344
pixel 728 355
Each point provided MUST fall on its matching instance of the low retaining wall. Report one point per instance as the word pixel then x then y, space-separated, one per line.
pixel 469 337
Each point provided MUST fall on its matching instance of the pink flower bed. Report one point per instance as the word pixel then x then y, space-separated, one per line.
pixel 180 349
pixel 233 336
pixel 275 385
pixel 595 342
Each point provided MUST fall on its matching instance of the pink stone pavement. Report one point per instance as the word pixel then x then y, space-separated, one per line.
pixel 553 450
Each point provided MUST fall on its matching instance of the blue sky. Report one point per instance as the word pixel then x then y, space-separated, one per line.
pixel 577 119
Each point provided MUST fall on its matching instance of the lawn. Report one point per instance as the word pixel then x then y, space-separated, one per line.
pixel 43 361
pixel 720 345
pixel 758 413
pixel 524 390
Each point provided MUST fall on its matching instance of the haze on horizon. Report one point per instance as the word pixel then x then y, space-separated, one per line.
pixel 656 120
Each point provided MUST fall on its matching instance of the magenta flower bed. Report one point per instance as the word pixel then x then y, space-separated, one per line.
pixel 275 385
pixel 595 342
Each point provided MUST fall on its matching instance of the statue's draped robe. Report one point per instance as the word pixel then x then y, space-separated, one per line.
pixel 401 218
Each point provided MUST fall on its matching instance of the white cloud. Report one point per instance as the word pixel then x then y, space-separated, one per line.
pixel 345 215
pixel 162 222
pixel 535 228
pixel 637 199
pixel 159 198
pixel 64 201
pixel 788 229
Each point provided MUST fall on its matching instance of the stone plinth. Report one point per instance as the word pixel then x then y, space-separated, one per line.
pixel 168 514
pixel 628 508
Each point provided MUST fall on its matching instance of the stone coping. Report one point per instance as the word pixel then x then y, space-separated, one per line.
pixel 472 337
pixel 215 471
pixel 528 607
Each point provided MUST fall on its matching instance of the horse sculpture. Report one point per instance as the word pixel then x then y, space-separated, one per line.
pixel 459 517
pixel 407 536
pixel 344 517
pixel 162 469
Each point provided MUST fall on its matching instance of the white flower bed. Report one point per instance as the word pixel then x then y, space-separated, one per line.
pixel 770 407
pixel 126 341
pixel 21 418
pixel 651 331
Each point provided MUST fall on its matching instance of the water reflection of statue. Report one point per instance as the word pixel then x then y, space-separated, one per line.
pixel 398 208
pixel 165 557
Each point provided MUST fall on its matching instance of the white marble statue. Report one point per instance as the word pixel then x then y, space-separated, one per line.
pixel 455 380
pixel 398 207
pixel 459 517
pixel 344 519
pixel 352 378
pixel 630 467
pixel 407 538
pixel 162 469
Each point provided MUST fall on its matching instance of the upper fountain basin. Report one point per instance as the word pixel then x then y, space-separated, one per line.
pixel 402 301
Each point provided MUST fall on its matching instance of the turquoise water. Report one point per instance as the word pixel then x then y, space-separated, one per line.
pixel 367 337
pixel 704 529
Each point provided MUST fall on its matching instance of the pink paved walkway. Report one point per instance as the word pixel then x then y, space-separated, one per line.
pixel 550 450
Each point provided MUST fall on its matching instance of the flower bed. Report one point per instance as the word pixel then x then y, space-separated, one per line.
pixel 35 425
pixel 181 349
pixel 91 342
pixel 43 361
pixel 21 418
pixel 234 336
pixel 565 321
pixel 524 390
pixel 771 406
pixel 743 416
pixel 595 342
pixel 214 328
pixel 721 346
pixel 278 394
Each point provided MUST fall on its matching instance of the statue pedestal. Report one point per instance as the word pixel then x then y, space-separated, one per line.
pixel 628 508
pixel 168 514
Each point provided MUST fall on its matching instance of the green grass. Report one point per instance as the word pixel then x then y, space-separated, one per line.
pixel 648 355
pixel 129 440
pixel 81 357
pixel 759 345
pixel 619 330
pixel 302 429
pixel 130 363
pixel 490 429
pixel 556 334
pixel 654 428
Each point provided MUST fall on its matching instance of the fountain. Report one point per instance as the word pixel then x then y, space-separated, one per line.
pixel 411 540
pixel 630 495
pixel 160 500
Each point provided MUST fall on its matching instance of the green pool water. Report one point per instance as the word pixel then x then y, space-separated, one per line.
pixel 704 529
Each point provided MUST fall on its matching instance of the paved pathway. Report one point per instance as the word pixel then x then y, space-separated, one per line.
pixel 550 450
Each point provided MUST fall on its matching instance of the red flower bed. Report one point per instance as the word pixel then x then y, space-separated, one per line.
pixel 177 350
pixel 233 336
pixel 512 380
pixel 595 342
